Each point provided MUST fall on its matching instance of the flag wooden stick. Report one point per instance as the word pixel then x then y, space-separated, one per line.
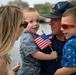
pixel 42 31
pixel 51 48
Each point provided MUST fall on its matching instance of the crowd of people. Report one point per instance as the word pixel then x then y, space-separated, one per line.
pixel 16 21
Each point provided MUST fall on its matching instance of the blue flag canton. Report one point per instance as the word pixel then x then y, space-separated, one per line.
pixel 44 36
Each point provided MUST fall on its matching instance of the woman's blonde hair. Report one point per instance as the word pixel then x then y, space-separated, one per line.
pixel 3 67
pixel 10 20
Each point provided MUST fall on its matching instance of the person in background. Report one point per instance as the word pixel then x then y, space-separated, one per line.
pixel 29 50
pixel 68 27
pixel 57 37
pixel 11 27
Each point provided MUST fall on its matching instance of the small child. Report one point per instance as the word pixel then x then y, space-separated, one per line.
pixel 68 27
pixel 29 51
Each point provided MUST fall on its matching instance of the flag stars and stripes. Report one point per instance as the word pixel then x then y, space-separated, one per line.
pixel 42 43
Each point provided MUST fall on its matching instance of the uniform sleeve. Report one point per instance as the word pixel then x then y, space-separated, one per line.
pixel 69 55
pixel 28 45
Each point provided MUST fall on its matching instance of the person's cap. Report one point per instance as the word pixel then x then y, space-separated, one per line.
pixel 58 10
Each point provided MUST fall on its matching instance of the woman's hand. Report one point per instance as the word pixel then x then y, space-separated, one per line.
pixel 15 69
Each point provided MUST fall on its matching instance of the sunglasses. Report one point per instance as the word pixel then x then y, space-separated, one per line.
pixel 67 26
pixel 24 24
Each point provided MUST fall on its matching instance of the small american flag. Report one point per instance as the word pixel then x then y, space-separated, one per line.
pixel 42 41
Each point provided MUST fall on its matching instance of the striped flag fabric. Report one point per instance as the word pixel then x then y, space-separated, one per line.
pixel 42 41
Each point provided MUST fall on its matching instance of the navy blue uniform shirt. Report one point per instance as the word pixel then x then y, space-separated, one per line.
pixel 49 67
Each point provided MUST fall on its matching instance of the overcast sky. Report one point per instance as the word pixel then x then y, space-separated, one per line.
pixel 32 2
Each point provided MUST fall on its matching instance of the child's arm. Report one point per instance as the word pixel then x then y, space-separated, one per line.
pixel 42 56
pixel 65 71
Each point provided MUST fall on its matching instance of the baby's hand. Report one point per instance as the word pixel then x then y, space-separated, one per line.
pixel 54 55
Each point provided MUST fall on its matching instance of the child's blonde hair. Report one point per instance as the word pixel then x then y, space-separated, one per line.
pixel 29 9
pixel 70 12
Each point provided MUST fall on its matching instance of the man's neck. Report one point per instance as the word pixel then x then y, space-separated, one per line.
pixel 60 37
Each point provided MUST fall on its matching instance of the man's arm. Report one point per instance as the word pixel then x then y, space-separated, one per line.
pixel 65 71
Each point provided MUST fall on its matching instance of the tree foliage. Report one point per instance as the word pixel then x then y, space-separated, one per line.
pixel 42 9
pixel 73 2
pixel 19 3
